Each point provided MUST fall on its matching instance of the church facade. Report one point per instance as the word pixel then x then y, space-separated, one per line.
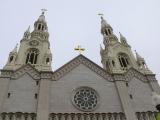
pixel 80 89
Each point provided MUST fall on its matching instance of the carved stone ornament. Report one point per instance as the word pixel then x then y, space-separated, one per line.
pixel 34 43
pixel 85 99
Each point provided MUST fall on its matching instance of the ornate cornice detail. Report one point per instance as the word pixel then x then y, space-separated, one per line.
pixel 26 69
pixel 46 75
pixel 81 60
pixel 6 73
pixel 119 77
pixel 151 78
pixel 134 73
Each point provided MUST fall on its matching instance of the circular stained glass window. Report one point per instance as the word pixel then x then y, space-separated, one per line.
pixel 85 99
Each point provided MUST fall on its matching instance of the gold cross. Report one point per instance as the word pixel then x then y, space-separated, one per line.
pixel 79 49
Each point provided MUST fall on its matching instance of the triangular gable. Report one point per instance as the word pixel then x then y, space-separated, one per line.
pixel 81 60
pixel 132 72
pixel 26 69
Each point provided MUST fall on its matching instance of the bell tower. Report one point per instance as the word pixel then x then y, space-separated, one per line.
pixel 117 56
pixel 34 48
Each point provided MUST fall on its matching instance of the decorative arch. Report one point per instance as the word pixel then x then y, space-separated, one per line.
pixel 124 60
pixel 32 55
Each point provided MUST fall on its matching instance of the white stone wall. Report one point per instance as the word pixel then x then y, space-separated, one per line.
pixel 142 95
pixel 62 90
pixel 22 95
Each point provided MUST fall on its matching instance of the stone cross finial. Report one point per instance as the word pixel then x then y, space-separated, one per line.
pixel 100 14
pixel 43 11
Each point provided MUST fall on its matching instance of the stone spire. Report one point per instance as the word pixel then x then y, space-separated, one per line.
pixel 105 27
pixel 15 49
pixel 41 28
pixel 117 57
pixel 123 40
pixel 138 57
pixel 34 48
pixel 142 64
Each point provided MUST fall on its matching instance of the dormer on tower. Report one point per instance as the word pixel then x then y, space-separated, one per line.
pixel 34 48
pixel 117 56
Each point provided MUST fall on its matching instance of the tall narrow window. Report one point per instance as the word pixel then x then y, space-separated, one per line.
pixel 42 27
pixel 109 31
pixel 32 56
pixel 47 61
pixel 123 60
pixel 11 59
pixel 39 26
pixel 106 32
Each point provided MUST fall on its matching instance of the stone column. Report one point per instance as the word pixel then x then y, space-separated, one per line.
pixel 44 96
pixel 4 83
pixel 124 97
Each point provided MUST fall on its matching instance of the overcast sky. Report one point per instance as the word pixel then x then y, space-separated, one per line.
pixel 73 22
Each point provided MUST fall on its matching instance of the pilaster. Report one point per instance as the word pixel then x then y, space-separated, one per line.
pixel 44 96
pixel 124 97
pixel 4 82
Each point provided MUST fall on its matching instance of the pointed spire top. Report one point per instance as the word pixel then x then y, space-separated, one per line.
pixel 43 11
pixel 100 14
pixel 122 37
pixel 28 29
pixel 42 17
pixel 15 49
pixel 104 22
pixel 138 56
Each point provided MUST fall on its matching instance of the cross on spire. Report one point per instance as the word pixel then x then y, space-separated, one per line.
pixel 43 11
pixel 79 49
pixel 101 14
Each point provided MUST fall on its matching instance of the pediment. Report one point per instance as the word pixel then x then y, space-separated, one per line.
pixel 26 69
pixel 132 72
pixel 77 61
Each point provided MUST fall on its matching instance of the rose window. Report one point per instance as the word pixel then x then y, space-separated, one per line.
pixel 86 99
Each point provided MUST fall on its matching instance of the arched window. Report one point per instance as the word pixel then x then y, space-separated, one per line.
pixel 11 59
pixel 32 56
pixel 109 31
pixel 47 61
pixel 39 26
pixel 106 32
pixel 123 60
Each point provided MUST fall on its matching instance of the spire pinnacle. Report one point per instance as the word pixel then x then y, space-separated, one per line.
pixel 28 28
pixel 138 56
pixel 15 49
pixel 122 38
pixel 100 14
pixel 43 11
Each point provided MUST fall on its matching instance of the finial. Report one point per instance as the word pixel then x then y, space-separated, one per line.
pixel 138 56
pixel 79 49
pixel 28 30
pixel 15 49
pixel 100 14
pixel 43 11
pixel 120 34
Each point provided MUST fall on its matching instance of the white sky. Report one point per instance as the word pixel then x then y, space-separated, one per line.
pixel 73 22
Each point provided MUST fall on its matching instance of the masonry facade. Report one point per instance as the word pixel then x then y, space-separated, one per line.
pixel 80 89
